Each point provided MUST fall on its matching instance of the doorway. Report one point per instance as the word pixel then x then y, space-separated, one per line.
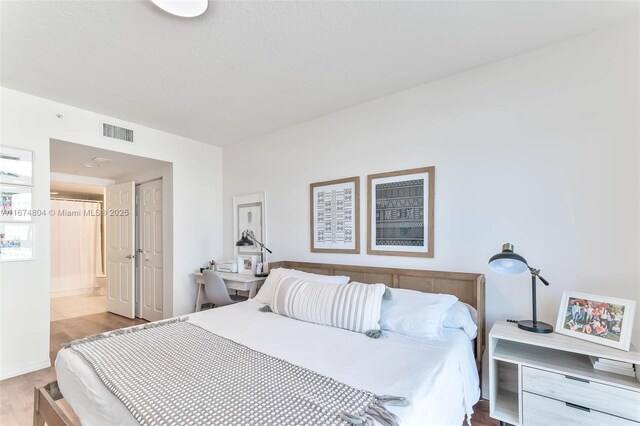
pixel 77 250
pixel 119 230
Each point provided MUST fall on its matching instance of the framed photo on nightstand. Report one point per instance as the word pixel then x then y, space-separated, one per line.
pixel 599 319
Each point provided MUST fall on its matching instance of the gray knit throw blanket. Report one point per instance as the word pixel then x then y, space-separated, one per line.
pixel 177 373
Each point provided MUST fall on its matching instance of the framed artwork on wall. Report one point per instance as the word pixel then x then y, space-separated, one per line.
pixel 400 213
pixel 335 216
pixel 599 319
pixel 15 203
pixel 16 166
pixel 16 241
pixel 249 215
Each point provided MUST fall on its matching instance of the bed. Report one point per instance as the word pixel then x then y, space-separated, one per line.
pixel 439 378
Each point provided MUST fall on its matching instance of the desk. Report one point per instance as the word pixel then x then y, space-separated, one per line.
pixel 234 281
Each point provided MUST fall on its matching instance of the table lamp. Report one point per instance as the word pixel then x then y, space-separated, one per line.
pixel 510 263
pixel 248 239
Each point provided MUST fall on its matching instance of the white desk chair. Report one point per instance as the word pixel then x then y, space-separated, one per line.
pixel 216 289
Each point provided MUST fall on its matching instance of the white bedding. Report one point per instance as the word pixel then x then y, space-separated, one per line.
pixel 438 377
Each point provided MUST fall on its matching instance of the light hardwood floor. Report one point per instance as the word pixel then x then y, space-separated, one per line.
pixel 77 306
pixel 16 394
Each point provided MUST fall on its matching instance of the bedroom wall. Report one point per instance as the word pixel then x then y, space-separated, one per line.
pixel 29 122
pixel 540 150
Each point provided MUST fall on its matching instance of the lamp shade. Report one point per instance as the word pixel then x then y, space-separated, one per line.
pixel 508 262
pixel 244 241
pixel 183 8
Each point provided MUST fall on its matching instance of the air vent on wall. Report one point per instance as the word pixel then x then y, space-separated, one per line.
pixel 117 132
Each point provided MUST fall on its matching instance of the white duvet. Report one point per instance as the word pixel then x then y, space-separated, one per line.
pixel 438 377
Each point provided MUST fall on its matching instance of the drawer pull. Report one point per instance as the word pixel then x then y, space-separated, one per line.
pixel 577 407
pixel 577 379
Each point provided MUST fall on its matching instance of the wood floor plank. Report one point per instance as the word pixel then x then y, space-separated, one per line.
pixel 16 394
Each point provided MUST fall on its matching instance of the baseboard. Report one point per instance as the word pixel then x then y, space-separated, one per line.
pixel 75 292
pixel 24 369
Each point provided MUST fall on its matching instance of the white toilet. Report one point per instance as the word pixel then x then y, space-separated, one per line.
pixel 101 285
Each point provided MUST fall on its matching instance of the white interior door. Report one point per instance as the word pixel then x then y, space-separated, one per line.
pixel 151 249
pixel 120 209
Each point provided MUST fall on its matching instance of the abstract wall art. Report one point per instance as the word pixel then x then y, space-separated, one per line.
pixel 400 213
pixel 335 216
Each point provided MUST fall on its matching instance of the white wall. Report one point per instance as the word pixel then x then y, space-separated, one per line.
pixel 29 122
pixel 540 150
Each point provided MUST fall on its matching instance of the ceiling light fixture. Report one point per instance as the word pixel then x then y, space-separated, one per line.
pixel 183 8
pixel 102 160
pixel 91 165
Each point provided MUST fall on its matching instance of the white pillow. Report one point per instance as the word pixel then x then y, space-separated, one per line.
pixel 415 314
pixel 459 316
pixel 354 307
pixel 265 294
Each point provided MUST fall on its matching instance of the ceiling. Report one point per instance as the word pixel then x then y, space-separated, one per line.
pixel 247 68
pixel 67 157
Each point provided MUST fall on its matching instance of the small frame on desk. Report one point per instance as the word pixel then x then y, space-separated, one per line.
pixel 599 319
pixel 247 264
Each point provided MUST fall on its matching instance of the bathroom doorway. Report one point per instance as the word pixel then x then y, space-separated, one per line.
pixel 77 250
pixel 103 205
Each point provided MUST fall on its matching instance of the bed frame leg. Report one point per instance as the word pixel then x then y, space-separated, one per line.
pixel 45 409
pixel 37 418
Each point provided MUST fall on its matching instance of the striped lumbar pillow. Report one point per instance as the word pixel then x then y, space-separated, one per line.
pixel 353 306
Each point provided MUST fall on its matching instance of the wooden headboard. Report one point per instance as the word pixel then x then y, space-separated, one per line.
pixel 469 288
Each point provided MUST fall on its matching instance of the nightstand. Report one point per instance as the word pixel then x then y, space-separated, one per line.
pixel 548 380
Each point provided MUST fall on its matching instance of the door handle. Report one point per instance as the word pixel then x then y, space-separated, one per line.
pixel 130 256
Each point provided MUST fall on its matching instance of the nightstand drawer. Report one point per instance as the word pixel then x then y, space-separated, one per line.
pixel 541 411
pixel 596 396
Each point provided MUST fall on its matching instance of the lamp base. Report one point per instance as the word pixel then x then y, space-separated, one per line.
pixel 539 327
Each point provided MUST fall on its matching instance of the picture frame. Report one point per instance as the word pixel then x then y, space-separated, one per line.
pixel 249 213
pixel 335 216
pixel 400 213
pixel 16 166
pixel 16 241
pixel 15 203
pixel 599 319
pixel 247 264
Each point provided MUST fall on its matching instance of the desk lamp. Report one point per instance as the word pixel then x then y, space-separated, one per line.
pixel 248 239
pixel 510 263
